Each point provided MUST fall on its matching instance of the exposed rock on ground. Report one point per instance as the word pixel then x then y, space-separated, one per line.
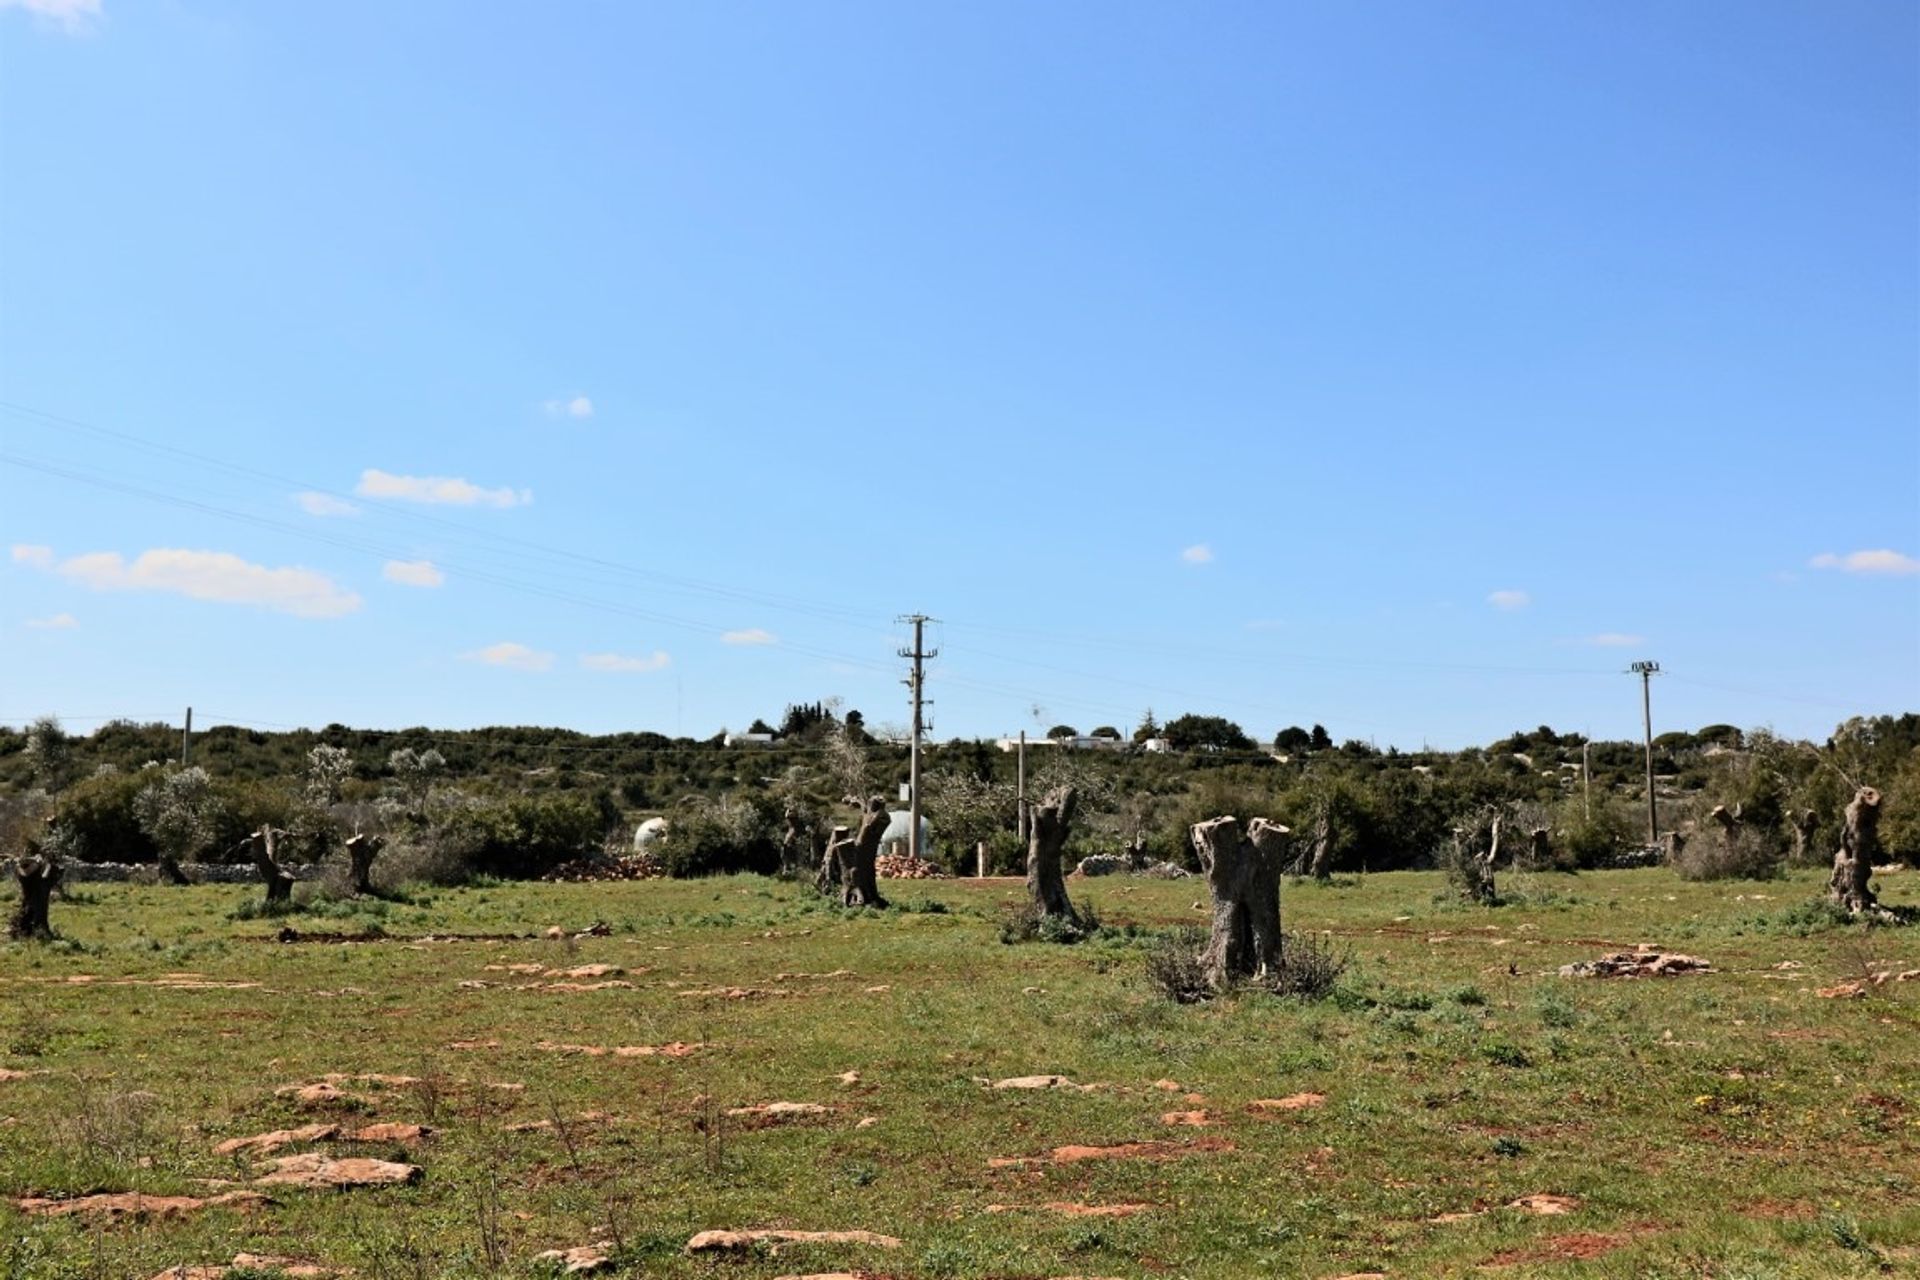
pixel 1642 962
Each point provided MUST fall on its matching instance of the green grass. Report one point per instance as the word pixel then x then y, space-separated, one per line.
pixel 1730 1124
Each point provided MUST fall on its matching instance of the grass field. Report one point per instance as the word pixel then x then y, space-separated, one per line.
pixel 1727 1124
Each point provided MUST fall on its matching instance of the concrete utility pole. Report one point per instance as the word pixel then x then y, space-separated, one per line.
pixel 916 683
pixel 1020 792
pixel 1647 671
pixel 186 738
pixel 1586 779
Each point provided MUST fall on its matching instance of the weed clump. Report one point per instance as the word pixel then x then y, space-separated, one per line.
pixel 1027 923
pixel 1309 968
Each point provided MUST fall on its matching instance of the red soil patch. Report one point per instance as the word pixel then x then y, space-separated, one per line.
pixel 1579 1246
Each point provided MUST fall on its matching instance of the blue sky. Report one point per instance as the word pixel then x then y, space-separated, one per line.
pixel 1409 368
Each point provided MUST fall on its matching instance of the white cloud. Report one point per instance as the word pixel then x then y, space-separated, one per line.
pixel 748 636
pixel 58 622
pixel 75 17
pixel 325 504
pixel 655 661
pixel 1198 553
pixel 440 490
pixel 1891 563
pixel 31 553
pixel 507 654
pixel 570 407
pixel 218 576
pixel 1509 598
pixel 413 573
pixel 1616 640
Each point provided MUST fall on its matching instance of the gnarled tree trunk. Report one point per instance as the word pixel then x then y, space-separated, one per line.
pixel 860 885
pixel 279 881
pixel 1540 848
pixel 1802 825
pixel 38 876
pixel 833 862
pixel 794 850
pixel 361 851
pixel 1859 846
pixel 1243 880
pixel 1048 826
pixel 1477 849
pixel 1321 867
pixel 170 871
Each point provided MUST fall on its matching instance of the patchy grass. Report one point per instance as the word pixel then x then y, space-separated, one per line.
pixel 1731 1123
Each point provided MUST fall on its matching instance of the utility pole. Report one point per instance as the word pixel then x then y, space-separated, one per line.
pixel 186 738
pixel 1586 780
pixel 1647 671
pixel 916 683
pixel 1020 806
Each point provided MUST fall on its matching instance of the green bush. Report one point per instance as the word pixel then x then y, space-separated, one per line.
pixel 98 816
pixel 523 837
pixel 717 837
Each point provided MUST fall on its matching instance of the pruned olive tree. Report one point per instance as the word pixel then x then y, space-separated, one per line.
pixel 1242 866
pixel 1859 846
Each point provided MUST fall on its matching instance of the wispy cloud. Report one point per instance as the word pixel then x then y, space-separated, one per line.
pixel 1198 553
pixel 217 576
pixel 75 17
pixel 508 654
pixel 749 636
pixel 438 490
pixel 325 504
pixel 30 553
pixel 413 573
pixel 58 622
pixel 1890 563
pixel 1615 640
pixel 655 661
pixel 570 407
pixel 1509 599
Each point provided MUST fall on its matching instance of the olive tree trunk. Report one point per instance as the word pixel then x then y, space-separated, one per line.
pixel 1802 825
pixel 1859 846
pixel 38 876
pixel 1476 850
pixel 860 884
pixel 170 871
pixel 361 851
pixel 1048 825
pixel 1321 866
pixel 833 862
pixel 1243 879
pixel 279 881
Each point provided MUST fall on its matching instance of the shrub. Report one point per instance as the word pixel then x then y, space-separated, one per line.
pixel 1310 966
pixel 1173 966
pixel 524 837
pixel 1740 851
pixel 717 837
pixel 99 819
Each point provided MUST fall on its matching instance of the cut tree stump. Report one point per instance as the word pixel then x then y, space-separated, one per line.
pixel 1048 825
pixel 279 881
pixel 1859 846
pixel 1320 867
pixel 361 851
pixel 1243 879
pixel 1802 825
pixel 170 871
pixel 833 862
pixel 859 882
pixel 38 876
pixel 1476 850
